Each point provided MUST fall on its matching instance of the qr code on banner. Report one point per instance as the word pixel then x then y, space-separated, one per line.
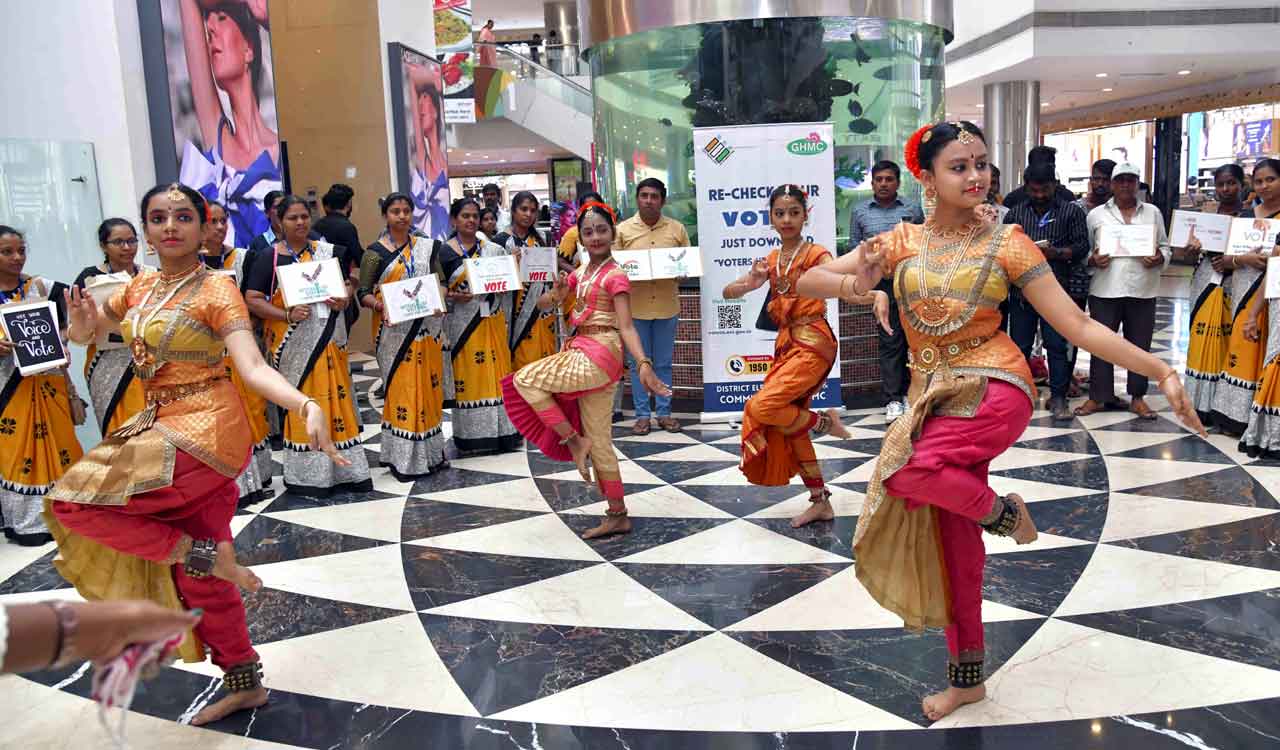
pixel 730 316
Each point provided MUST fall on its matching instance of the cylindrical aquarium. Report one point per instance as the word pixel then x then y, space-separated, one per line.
pixel 877 80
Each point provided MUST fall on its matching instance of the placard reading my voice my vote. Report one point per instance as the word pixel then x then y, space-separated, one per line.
pixel 32 328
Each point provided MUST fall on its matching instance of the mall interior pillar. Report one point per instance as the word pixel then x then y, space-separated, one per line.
pixel 1167 178
pixel 1011 122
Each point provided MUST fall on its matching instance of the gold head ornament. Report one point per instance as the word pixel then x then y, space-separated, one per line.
pixel 175 194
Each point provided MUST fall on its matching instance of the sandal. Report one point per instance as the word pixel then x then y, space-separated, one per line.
pixel 641 427
pixel 1093 407
pixel 669 424
pixel 1141 408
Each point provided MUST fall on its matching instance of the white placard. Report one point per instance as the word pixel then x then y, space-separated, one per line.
pixel 493 274
pixel 634 263
pixel 538 264
pixel 102 288
pixel 311 282
pixel 1127 240
pixel 737 168
pixel 1211 229
pixel 675 262
pixel 1273 279
pixel 1252 236
pixel 412 298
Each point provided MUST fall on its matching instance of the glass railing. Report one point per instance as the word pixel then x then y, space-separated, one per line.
pixel 509 58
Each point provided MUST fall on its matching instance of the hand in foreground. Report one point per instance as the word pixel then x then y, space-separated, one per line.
pixel 106 628
pixel 337 303
pixel 1219 263
pixel 760 271
pixel 1151 261
pixel 652 383
pixel 299 313
pixel 81 309
pixel 880 308
pixel 1172 389
pixel 318 433
pixel 6 347
pixel 1101 261
pixel 1252 331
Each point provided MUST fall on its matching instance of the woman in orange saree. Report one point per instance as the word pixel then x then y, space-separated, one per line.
pixel 777 421
pixel 919 537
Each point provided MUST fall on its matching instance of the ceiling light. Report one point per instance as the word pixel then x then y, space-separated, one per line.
pixel 533 150
pixel 468 153
pixel 980 106
pixel 1044 104
pixel 1107 90
pixel 1184 72
pixel 1100 75
pixel 503 161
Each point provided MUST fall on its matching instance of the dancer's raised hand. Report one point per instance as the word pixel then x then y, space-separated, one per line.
pixel 82 311
pixel 880 308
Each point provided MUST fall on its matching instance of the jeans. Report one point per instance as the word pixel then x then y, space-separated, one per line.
pixel 1023 322
pixel 894 377
pixel 658 337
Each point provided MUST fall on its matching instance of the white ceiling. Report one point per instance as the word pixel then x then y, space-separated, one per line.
pixel 1138 62
pixel 509 14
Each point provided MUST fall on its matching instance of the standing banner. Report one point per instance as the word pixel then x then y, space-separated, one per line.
pixel 737 168
pixel 422 160
pixel 456 46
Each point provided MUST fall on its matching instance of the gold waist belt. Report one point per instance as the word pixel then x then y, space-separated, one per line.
pixel 934 356
pixel 594 330
pixel 806 320
pixel 166 396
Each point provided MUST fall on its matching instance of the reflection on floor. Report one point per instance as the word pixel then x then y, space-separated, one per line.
pixel 463 611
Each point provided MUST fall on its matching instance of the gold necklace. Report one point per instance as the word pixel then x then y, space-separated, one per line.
pixel 950 233
pixel 784 276
pixel 584 288
pixel 933 308
pixel 144 362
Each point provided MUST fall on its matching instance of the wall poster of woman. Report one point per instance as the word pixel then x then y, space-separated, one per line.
pixel 419 118
pixel 221 97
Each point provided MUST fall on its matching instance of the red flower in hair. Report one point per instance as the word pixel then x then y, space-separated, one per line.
pixel 911 153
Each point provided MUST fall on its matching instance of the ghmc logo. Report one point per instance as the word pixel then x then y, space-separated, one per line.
pixel 810 146
pixel 718 150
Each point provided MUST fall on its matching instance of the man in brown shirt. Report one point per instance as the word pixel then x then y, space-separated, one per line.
pixel 655 305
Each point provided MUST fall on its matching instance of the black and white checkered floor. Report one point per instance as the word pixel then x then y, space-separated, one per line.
pixel 463 611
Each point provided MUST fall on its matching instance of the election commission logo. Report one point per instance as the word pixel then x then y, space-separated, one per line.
pixel 718 150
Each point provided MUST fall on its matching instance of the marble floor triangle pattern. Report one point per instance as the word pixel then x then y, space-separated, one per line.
pixel 463 610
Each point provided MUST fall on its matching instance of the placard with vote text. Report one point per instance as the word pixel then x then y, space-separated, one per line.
pixel 32 328
pixel 538 264
pixel 1252 236
pixel 493 274
pixel 1211 230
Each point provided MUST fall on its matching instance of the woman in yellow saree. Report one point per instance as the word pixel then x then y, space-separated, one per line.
pixel 308 346
pixel 777 421
pixel 116 395
pixel 37 431
pixel 480 353
pixel 533 330
pixel 1261 438
pixel 255 481
pixel 919 537
pixel 1233 397
pixel 1211 302
pixel 411 353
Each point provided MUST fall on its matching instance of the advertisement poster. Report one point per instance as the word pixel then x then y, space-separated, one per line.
pixel 737 168
pixel 456 46
pixel 422 159
pixel 211 86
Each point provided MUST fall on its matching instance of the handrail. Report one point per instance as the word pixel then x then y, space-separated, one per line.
pixel 536 66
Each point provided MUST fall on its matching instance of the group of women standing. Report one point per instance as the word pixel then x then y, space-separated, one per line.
pixel 1233 360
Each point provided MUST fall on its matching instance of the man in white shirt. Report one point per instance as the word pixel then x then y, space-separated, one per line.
pixel 1123 291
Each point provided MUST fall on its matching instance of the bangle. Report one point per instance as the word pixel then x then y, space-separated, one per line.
pixel 644 361
pixel 68 623
pixel 1171 373
pixel 302 409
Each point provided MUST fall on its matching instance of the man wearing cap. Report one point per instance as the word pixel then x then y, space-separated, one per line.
pixel 1123 291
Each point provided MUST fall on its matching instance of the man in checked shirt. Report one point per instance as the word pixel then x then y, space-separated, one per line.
pixel 880 214
pixel 1061 229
